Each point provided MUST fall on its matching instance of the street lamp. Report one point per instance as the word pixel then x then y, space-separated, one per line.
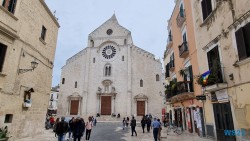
pixel 33 66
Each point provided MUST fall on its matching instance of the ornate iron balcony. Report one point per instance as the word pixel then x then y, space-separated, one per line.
pixel 183 50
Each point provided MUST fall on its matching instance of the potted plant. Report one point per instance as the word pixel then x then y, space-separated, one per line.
pixel 4 133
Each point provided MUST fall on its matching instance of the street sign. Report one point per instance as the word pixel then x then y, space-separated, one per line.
pixel 201 97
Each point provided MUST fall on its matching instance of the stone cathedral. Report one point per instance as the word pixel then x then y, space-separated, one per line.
pixel 110 76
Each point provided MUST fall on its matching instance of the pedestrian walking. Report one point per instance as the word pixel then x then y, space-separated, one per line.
pixel 78 129
pixel 61 129
pixel 55 124
pixel 124 123
pixel 155 125
pixel 71 126
pixel 89 125
pixel 159 131
pixel 148 122
pixel 95 121
pixel 127 121
pixel 143 123
pixel 133 124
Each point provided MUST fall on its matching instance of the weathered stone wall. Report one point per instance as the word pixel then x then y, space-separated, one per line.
pixel 23 30
pixel 219 30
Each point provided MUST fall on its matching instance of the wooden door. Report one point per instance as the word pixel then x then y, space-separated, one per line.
pixel 140 108
pixel 74 107
pixel 223 121
pixel 106 105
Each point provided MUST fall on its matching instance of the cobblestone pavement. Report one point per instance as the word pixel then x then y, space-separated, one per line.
pixel 114 132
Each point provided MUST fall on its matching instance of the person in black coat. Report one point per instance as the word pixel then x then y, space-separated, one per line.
pixel 78 129
pixel 133 124
pixel 143 123
pixel 148 124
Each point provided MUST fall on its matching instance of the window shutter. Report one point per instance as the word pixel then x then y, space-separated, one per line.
pixel 204 9
pixel 3 49
pixel 12 5
pixel 241 44
pixel 167 71
pixel 246 29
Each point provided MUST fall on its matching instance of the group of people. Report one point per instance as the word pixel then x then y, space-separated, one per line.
pixel 76 127
pixel 146 121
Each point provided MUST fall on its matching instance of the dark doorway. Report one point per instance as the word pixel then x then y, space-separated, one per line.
pixel 223 120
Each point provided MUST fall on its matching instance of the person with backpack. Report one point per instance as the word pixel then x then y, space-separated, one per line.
pixel 61 129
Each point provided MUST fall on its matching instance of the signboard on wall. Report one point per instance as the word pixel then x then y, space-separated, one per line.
pixel 220 96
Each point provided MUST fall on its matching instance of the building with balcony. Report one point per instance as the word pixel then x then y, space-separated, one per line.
pixel 222 31
pixel 28 37
pixel 181 68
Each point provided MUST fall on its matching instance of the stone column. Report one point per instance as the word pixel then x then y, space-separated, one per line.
pixel 112 104
pixel 79 106
pixel 146 106
pixel 99 104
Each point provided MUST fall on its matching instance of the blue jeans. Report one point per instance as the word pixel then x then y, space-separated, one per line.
pixel 155 133
pixel 61 137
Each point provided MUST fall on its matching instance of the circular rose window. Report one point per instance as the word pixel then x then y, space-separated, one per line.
pixel 109 31
pixel 109 52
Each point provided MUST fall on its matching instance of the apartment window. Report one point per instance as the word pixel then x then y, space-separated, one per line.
pixel 43 34
pixel 157 77
pixel 184 37
pixel 214 65
pixel 3 49
pixel 76 84
pixel 243 43
pixel 8 118
pixel 181 10
pixel 107 70
pixel 141 83
pixel 63 80
pixel 206 6
pixel 170 36
pixel 167 71
pixel 9 5
pixel 122 58
pixel 125 41
pixel 51 98
pixel 93 60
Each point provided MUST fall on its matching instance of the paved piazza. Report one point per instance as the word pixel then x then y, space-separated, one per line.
pixel 106 131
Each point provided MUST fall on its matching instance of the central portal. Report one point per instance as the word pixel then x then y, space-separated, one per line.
pixel 106 105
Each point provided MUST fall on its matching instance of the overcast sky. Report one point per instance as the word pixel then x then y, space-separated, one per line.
pixel 146 19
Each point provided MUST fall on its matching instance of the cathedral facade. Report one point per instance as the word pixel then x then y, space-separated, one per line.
pixel 110 76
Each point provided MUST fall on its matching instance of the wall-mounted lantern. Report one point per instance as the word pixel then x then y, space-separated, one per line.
pixel 33 66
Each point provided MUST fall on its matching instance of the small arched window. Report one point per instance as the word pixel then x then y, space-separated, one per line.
pixel 141 83
pixel 122 58
pixel 107 70
pixel 76 84
pixel 157 77
pixel 93 60
pixel 125 41
pixel 63 80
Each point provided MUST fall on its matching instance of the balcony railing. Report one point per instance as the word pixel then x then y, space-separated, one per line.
pixel 180 88
pixel 181 18
pixel 183 50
